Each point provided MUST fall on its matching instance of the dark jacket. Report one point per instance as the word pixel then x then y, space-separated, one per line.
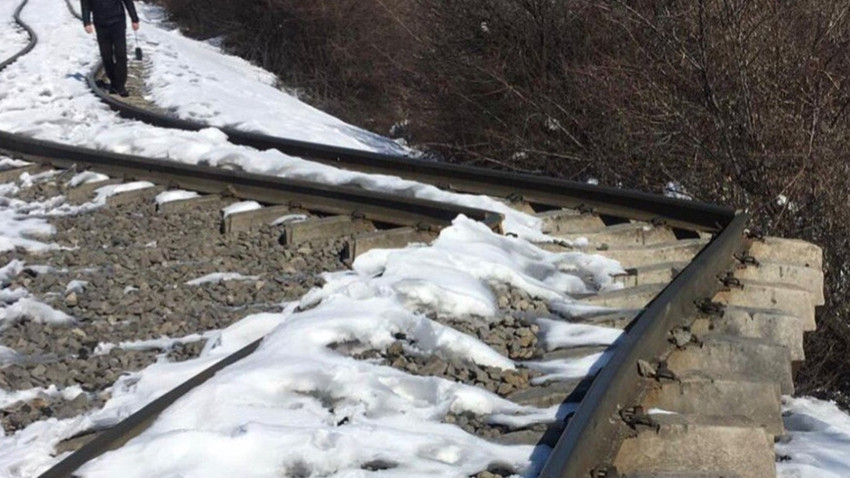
pixel 107 12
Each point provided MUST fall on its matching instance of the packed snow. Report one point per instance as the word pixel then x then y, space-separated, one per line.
pixel 239 207
pixel 20 228
pixel 31 309
pixel 86 177
pixel 289 218
pixel 195 81
pixel 560 334
pixel 163 343
pixel 8 398
pixel 817 444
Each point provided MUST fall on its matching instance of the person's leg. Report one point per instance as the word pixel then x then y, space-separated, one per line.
pixel 119 45
pixel 104 42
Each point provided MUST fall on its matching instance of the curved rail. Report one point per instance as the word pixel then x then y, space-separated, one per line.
pixel 590 437
pixel 33 38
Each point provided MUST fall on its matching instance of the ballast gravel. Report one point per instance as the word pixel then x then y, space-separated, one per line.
pixel 122 274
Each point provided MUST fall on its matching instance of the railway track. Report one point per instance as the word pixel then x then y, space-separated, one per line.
pixel 713 316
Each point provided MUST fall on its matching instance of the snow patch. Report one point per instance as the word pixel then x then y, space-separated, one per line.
pixel 175 195
pixel 31 309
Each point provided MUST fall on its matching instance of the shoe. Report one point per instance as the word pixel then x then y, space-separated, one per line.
pixel 112 90
pixel 103 85
pixel 124 93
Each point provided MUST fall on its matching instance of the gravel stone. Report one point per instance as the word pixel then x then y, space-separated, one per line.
pixel 137 263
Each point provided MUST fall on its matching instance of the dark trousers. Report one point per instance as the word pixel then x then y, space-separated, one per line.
pixel 112 41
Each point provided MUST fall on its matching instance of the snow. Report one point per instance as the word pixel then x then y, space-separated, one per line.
pixel 278 397
pixel 77 286
pixel 217 277
pixel 175 195
pixel 86 177
pixel 162 343
pixel 8 398
pixel 289 218
pixel 817 444
pixel 295 398
pixel 7 355
pixel 448 274
pixel 676 191
pixel 10 271
pixel 20 230
pixel 242 206
pixel 554 370
pixel 7 163
pixel 105 192
pixel 560 334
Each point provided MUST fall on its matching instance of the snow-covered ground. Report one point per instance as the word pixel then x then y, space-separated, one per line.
pixel 295 406
pixel 817 444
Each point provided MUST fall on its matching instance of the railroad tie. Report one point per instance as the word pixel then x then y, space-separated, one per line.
pixel 716 409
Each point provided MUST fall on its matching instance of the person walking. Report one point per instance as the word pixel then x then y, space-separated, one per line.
pixel 110 22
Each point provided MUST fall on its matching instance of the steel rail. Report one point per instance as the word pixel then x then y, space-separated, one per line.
pixel 593 432
pixel 631 204
pixel 329 199
pixel 692 215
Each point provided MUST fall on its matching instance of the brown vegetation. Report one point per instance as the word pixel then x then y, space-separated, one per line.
pixel 739 101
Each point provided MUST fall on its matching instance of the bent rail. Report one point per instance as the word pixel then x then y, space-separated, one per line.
pixel 328 199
